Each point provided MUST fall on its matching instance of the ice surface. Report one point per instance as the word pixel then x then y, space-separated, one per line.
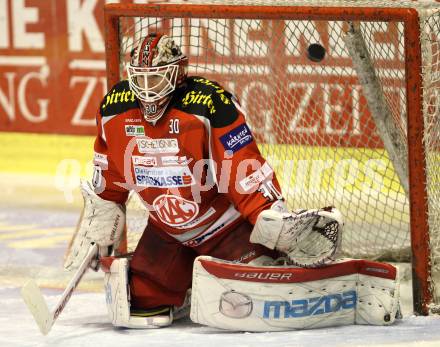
pixel 32 244
pixel 84 323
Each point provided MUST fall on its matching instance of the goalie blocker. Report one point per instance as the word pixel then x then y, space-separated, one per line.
pixel 240 297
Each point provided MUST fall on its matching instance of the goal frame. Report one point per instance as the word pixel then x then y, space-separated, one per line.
pixel 418 198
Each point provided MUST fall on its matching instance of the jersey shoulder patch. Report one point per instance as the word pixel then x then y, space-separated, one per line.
pixel 206 98
pixel 118 100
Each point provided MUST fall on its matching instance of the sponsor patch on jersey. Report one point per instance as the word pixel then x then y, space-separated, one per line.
pixel 158 145
pixel 134 130
pixel 133 120
pixel 193 223
pixel 193 97
pixel 172 160
pixel 144 161
pixel 208 99
pixel 163 177
pixel 269 191
pixel 118 100
pixel 204 97
pixel 255 178
pixel 237 138
pixel 100 159
pixel 206 235
pixel 174 210
pixel 118 95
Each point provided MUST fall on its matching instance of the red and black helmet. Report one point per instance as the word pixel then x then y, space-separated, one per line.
pixel 157 67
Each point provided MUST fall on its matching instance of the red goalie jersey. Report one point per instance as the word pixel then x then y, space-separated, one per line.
pixel 198 169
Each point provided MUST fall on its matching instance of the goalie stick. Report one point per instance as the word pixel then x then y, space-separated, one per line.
pixel 36 304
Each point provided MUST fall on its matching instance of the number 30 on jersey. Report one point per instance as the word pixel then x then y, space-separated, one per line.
pixel 174 126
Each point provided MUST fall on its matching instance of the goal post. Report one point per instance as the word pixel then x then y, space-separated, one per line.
pixel 313 120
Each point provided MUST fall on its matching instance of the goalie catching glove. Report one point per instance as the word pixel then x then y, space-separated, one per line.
pixel 101 222
pixel 309 238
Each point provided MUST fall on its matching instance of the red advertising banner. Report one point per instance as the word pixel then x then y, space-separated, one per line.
pixel 52 70
pixel 52 74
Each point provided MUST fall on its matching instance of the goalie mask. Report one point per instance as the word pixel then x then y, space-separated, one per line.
pixel 156 68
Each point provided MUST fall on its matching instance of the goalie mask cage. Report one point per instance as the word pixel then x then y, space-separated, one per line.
pixel 357 129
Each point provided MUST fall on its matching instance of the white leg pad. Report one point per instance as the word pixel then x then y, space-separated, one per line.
pixel 378 301
pixel 273 298
pixel 117 294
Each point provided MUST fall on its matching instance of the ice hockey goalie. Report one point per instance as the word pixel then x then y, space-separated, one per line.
pixel 182 143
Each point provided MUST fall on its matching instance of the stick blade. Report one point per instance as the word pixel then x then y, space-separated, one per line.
pixel 36 304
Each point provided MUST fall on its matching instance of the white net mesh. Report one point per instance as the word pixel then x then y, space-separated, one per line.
pixel 312 120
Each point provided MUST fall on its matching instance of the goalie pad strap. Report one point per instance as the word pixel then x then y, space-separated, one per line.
pixel 247 298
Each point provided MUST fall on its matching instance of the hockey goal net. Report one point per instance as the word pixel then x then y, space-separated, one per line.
pixel 357 128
